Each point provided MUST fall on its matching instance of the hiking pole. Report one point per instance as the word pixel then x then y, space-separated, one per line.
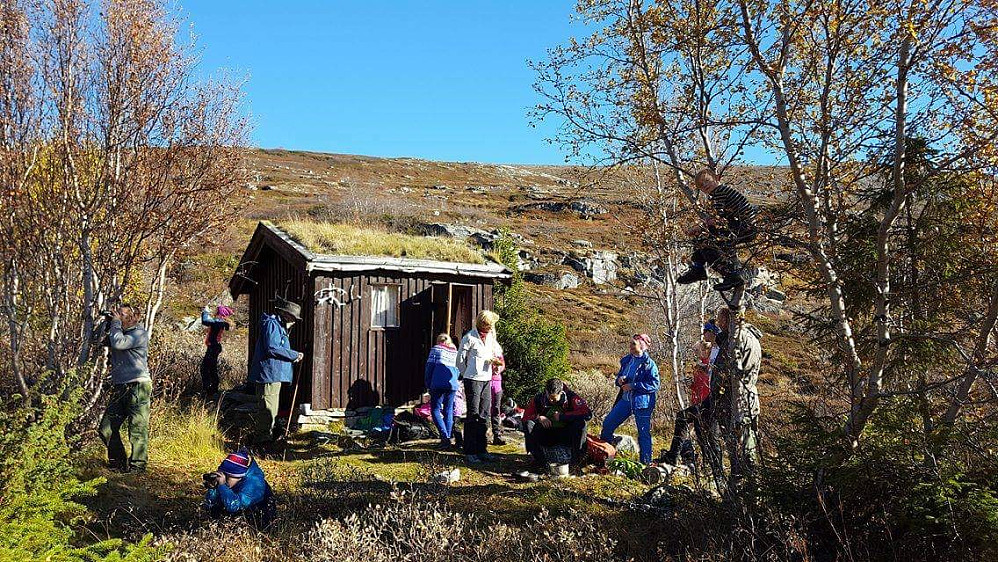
pixel 291 413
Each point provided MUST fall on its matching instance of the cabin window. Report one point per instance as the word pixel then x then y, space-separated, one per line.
pixel 385 306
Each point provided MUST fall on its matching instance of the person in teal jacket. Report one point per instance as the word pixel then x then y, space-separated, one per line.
pixel 271 366
pixel 239 486
pixel 638 382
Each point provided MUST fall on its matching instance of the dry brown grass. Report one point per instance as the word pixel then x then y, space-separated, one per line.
pixel 345 239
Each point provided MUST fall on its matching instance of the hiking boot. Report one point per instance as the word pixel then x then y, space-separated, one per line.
pixel 487 457
pixel 692 275
pixel 472 459
pixel 445 445
pixel 729 282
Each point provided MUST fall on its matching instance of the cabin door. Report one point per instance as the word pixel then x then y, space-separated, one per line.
pixel 452 310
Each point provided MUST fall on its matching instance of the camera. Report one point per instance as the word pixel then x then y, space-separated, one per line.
pixel 209 479
pixel 106 314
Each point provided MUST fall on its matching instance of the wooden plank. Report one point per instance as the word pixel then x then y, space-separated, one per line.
pixel 321 348
pixel 337 374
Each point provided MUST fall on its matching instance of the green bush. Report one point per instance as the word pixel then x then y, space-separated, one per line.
pixel 536 349
pixel 889 499
pixel 38 514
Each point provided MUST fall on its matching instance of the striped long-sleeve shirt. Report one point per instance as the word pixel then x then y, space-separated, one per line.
pixel 734 208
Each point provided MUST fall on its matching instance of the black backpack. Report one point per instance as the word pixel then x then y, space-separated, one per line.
pixel 410 427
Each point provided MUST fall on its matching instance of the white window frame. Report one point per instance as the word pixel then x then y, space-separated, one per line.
pixel 388 317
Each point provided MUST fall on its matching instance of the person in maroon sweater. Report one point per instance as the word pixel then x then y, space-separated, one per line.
pixel 556 416
pixel 213 342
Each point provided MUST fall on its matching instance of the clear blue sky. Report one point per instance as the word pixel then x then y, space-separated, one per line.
pixel 435 79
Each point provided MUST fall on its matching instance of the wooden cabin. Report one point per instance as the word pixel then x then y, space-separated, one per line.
pixel 368 322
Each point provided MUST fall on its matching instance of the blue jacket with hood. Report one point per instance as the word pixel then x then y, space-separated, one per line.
pixel 273 355
pixel 251 492
pixel 643 378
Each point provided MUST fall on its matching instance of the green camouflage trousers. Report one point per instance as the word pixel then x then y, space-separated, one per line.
pixel 129 403
pixel 746 453
pixel 269 399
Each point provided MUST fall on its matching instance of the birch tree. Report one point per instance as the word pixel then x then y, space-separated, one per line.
pixel 116 159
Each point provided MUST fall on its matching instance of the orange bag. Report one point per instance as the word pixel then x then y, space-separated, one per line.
pixel 599 451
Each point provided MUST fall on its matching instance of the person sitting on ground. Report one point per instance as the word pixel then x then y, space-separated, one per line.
pixel 556 416
pixel 239 486
pixel 213 342
pixel 718 244
pixel 440 376
pixel 422 410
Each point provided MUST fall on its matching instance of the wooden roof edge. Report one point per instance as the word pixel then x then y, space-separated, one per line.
pixel 267 233
pixel 330 262
pixel 270 234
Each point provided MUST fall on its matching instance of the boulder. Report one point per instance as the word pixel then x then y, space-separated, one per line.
pixel 587 209
pixel 776 295
pixel 567 281
pixel 485 239
pixel 625 444
pixel 449 230
pixel 765 305
pixel 793 258
pixel 759 278
pixel 561 281
pixel 575 263
pixel 190 323
pixel 602 267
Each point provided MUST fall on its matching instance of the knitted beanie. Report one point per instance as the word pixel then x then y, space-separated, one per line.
pixel 236 464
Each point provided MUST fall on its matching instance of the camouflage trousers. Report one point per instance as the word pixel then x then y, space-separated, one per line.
pixel 746 453
pixel 129 403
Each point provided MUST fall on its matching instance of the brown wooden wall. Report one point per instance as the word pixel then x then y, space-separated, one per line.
pixel 276 276
pixel 356 365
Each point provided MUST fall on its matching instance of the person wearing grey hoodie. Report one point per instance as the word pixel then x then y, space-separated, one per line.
pixel 131 391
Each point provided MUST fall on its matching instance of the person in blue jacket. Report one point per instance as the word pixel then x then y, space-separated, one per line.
pixel 271 366
pixel 638 382
pixel 440 376
pixel 239 487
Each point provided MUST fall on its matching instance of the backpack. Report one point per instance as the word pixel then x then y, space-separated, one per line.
pixel 409 427
pixel 599 451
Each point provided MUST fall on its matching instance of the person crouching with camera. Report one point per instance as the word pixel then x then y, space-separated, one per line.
pixel 239 487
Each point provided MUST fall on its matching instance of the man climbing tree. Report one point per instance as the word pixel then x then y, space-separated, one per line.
pixel 717 244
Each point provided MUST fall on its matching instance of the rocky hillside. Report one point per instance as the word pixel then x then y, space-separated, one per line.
pixel 577 229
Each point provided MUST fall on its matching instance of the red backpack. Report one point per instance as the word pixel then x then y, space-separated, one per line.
pixel 599 451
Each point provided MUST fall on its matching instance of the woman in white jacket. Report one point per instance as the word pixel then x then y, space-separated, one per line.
pixel 478 353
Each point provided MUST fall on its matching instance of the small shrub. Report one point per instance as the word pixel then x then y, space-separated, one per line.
pixel 407 528
pixel 598 390
pixel 175 364
pixel 39 486
pixel 536 349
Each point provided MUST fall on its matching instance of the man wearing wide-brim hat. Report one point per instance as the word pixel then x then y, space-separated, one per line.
pixel 271 365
